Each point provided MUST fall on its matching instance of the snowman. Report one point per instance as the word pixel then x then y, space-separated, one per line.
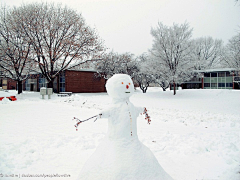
pixel 121 156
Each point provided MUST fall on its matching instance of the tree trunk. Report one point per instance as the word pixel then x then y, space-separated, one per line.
pixel 163 87
pixel 19 87
pixel 50 84
pixel 174 88
pixel 144 89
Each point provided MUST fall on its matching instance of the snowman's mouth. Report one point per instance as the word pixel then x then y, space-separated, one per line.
pixel 127 92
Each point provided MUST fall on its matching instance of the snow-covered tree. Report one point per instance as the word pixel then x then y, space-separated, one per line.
pixel 206 53
pixel 171 51
pixel 59 37
pixel 160 73
pixel 231 55
pixel 16 60
pixel 143 73
pixel 114 63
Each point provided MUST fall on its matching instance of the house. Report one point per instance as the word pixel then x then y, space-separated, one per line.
pixel 76 81
pixel 215 79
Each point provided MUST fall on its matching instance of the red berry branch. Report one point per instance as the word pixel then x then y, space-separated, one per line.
pixel 81 121
pixel 147 117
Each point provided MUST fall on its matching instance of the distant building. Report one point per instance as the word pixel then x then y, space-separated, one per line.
pixel 214 79
pixel 76 81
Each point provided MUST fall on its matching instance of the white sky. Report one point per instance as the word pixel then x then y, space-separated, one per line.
pixel 125 25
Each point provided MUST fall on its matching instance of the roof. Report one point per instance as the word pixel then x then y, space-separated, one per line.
pixel 218 70
pixel 84 69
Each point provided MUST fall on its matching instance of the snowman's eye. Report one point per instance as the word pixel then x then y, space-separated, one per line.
pixel 122 83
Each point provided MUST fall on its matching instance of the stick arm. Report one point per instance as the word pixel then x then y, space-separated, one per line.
pixel 147 117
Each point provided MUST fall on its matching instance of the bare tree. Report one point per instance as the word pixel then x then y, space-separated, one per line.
pixel 231 55
pixel 206 53
pixel 15 52
pixel 59 37
pixel 171 50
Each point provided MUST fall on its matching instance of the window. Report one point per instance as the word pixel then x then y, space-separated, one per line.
pixel 221 79
pixel 228 74
pixel 27 85
pixel 4 84
pixel 229 84
pixel 213 74
pixel 206 74
pixel 214 85
pixel 206 84
pixel 221 84
pixel 221 74
pixel 42 82
pixel 62 83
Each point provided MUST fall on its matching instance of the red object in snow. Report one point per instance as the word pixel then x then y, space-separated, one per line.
pixel 11 98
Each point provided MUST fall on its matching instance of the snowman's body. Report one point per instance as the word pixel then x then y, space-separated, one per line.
pixel 121 155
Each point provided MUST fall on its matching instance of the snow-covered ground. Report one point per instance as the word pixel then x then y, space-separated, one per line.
pixel 194 135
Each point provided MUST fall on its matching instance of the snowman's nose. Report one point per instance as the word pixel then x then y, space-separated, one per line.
pixel 127 86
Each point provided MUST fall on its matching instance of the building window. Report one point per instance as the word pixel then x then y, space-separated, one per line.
pixel 62 83
pixel 229 84
pixel 228 74
pixel 42 82
pixel 213 85
pixel 206 84
pixel 221 84
pixel 55 85
pixel 206 74
pixel 221 74
pixel 213 74
pixel 27 85
pixel 4 84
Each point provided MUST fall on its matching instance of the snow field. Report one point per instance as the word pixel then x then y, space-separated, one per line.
pixel 194 135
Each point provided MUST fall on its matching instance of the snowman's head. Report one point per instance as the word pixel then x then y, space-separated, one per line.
pixel 120 86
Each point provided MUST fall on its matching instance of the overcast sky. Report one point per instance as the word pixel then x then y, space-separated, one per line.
pixel 125 25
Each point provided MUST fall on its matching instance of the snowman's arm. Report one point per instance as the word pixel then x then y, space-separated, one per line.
pixel 147 117
pixel 79 121
pixel 103 114
pixel 100 115
pixel 143 111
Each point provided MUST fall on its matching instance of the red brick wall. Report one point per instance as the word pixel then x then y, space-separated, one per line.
pixel 11 84
pixel 83 82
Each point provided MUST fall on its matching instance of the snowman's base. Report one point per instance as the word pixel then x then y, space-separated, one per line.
pixel 121 159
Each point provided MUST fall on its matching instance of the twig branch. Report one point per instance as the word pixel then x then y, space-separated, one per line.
pixel 147 117
pixel 81 121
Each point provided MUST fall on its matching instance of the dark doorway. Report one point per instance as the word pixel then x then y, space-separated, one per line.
pixel 237 85
pixel 31 87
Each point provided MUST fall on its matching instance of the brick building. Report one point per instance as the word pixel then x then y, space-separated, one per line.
pixel 81 81
pixel 76 81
